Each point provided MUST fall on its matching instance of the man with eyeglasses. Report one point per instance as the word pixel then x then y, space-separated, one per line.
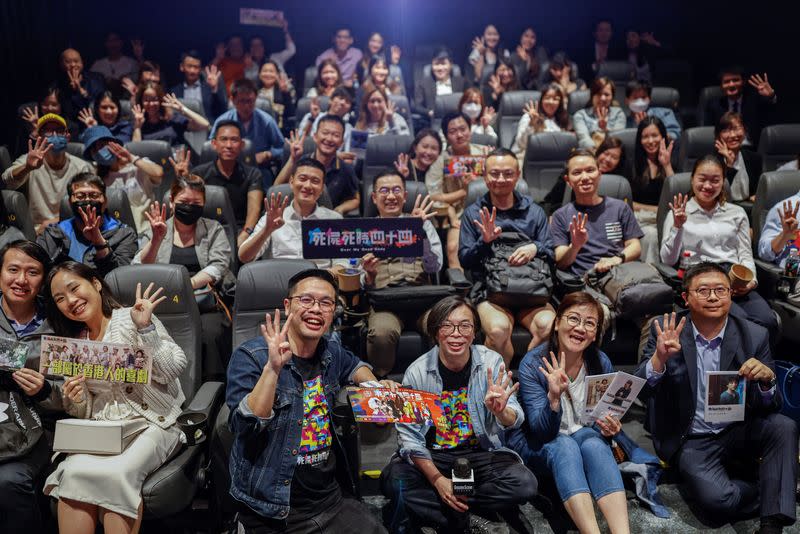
pixel 277 233
pixel 91 235
pixel 47 168
pixel 384 326
pixel 340 177
pixel 500 210
pixel 242 181
pixel 281 392
pixel 710 338
pixel 257 125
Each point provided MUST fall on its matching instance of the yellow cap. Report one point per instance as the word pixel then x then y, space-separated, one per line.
pixel 51 117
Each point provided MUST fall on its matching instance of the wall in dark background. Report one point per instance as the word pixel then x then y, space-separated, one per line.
pixel 708 33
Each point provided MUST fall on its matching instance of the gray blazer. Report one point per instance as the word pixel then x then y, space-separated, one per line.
pixel 210 243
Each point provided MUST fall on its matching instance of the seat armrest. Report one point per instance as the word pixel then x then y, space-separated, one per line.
pixel 769 276
pixel 458 279
pixel 207 401
pixel 669 273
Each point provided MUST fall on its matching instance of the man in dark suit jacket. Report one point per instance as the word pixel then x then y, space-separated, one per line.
pixel 755 105
pixel 442 76
pixel 603 48
pixel 709 338
pixel 209 91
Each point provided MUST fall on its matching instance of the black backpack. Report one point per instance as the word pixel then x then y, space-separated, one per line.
pixel 520 286
pixel 23 428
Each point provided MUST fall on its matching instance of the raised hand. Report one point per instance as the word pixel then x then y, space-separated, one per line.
pixel 129 86
pixel 122 154
pixel 389 109
pixel 647 37
pixel 725 152
pixel 31 116
pixel 487 116
pixel 181 162
pixel 137 45
pixel 668 342
pixel 609 426
pixel 602 117
pixel 296 145
pixel 87 117
pixel 171 101
pixel 479 44
pixel 395 53
pixel 273 207
pixel 284 82
pixel 36 153
pixel 157 217
pixel 789 218
pixel 489 230
pixel 557 379
pixel 761 84
pixel 423 208
pixel 277 341
pixel 494 83
pixel 665 153
pixel 142 310
pixel 532 110
pixel 498 391
pixel 91 224
pixel 314 108
pixel 522 53
pixel 639 116
pixel 212 77
pixel 138 116
pixel 401 165
pixel 578 233
pixel 678 207
pixel 75 79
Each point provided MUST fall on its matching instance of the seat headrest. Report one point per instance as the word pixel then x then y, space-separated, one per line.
pixel 446 104
pixel 262 285
pixel 550 146
pixel 157 151
pixel 773 187
pixel 512 103
pixel 578 100
pixel 18 213
pixel 698 141
pixel 780 139
pixel 616 70
pixel 173 278
pixel 477 189
pixel 665 97
pixel 383 149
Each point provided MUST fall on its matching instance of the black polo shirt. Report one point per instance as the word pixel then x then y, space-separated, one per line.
pixel 245 178
pixel 341 181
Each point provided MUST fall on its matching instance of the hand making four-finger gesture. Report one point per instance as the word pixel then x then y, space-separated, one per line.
pixel 274 206
pixel 789 218
pixel 277 342
pixel 557 379
pixel 212 77
pixel 401 165
pixel 36 153
pixel 668 342
pixel 423 208
pixel 678 207
pixel 180 163
pixel 761 84
pixel 157 217
pixel 87 117
pixel 499 390
pixel 142 310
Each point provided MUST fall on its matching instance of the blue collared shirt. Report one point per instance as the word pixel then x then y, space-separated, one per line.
pixel 262 131
pixel 772 227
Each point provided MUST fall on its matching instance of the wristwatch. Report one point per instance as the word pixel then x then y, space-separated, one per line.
pixel 769 385
pixel 621 255
pixel 248 230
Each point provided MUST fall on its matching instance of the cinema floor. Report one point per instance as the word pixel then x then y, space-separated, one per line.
pixel 378 445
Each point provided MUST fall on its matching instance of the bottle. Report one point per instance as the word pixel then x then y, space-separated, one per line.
pixel 352 267
pixel 792 266
pixel 685 263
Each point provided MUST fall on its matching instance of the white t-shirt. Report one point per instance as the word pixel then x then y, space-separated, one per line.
pixel 138 187
pixel 116 69
pixel 572 403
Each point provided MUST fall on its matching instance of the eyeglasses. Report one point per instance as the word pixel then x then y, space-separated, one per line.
pixel 574 320
pixel 497 174
pixel 719 292
pixel 464 328
pixel 307 301
pixel 87 196
pixel 397 190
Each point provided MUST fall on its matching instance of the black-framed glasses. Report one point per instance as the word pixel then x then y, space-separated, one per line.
pixel 497 174
pixel 465 328
pixel 307 301
pixel 719 292
pixel 87 196
pixel 574 320
pixel 396 190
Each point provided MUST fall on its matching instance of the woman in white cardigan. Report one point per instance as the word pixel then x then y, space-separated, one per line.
pixel 108 488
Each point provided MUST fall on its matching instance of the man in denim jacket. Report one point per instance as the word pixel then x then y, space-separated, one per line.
pixel 281 391
pixel 478 403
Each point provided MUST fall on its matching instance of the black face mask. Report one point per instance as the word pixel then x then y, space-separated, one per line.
pixel 188 213
pixel 86 204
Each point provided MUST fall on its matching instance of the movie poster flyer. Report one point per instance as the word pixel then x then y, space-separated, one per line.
pixel 96 360
pixel 381 405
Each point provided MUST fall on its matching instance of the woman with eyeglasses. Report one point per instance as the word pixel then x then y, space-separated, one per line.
pixel 479 404
pixel 742 165
pixel 553 441
pixel 708 227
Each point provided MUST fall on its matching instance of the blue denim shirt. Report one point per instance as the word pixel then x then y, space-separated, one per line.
pixel 263 131
pixel 264 452
pixel 423 375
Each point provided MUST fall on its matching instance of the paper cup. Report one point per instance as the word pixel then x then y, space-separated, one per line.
pixel 348 282
pixel 740 276
pixel 192 425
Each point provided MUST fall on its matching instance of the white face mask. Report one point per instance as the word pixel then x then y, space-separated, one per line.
pixel 639 105
pixel 471 110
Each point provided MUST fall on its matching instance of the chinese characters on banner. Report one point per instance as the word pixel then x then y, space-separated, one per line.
pixel 96 360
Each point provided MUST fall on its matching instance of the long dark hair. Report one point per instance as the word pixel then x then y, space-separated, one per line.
pixel 562 115
pixel 641 174
pixel 591 355
pixel 111 96
pixel 63 326
pixel 505 62
pixel 612 142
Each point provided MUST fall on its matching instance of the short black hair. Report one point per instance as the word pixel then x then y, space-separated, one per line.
pixel 500 152
pixel 736 70
pixel 342 92
pixel 638 85
pixel 330 117
pixel 89 178
pixel 29 248
pixel 307 161
pixel 227 122
pixel 442 54
pixel 450 117
pixel 322 274
pixel 442 310
pixel 192 53
pixel 243 86
pixel 701 268
pixel 388 171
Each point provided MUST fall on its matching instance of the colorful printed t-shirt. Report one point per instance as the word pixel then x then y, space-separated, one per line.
pixel 457 433
pixel 314 481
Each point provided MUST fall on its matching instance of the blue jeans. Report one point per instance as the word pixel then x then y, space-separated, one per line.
pixel 580 463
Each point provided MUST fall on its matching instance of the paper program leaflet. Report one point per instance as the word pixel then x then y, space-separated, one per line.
pixel 96 360
pixel 725 397
pixel 380 405
pixel 609 394
pixel 13 354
